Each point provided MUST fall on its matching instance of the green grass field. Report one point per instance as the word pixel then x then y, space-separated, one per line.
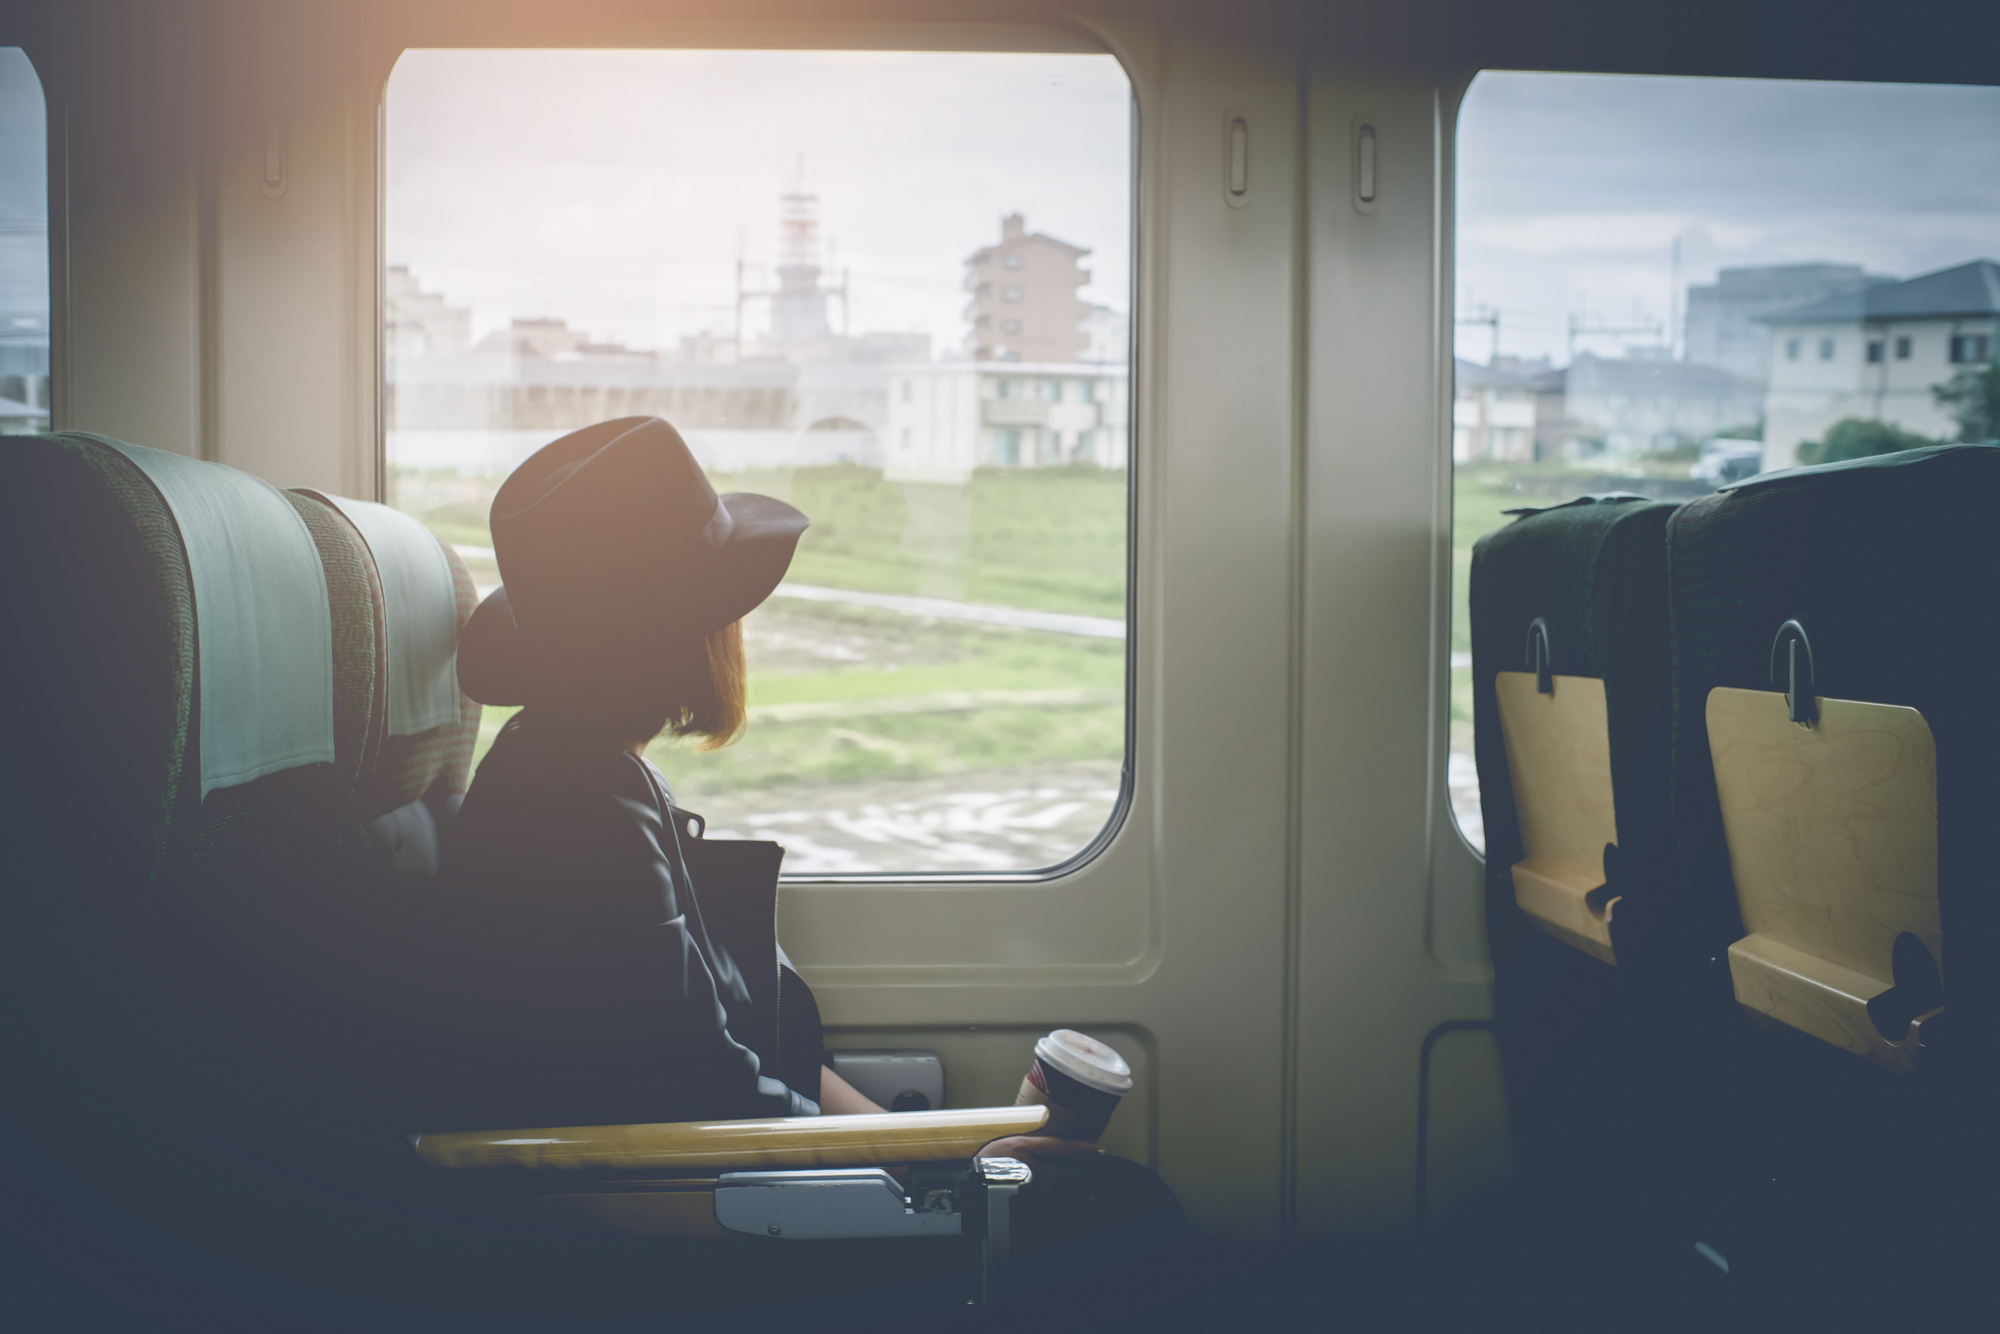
pixel 841 694
pixel 1052 539
pixel 926 698
pixel 1478 495
pixel 909 698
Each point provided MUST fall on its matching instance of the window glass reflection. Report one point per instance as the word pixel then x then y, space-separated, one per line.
pixel 857 281
pixel 24 247
pixel 1668 284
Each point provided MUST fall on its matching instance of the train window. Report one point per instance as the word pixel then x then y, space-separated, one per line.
pixel 1656 277
pixel 24 247
pixel 757 245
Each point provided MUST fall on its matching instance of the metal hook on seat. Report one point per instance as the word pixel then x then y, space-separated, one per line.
pixel 1800 702
pixel 1541 659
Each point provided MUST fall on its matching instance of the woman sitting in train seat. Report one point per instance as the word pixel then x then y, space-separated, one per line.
pixel 585 983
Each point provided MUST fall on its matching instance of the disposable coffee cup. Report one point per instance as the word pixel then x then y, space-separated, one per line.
pixel 1079 1079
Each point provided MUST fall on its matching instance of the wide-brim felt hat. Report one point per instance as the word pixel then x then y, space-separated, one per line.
pixel 613 550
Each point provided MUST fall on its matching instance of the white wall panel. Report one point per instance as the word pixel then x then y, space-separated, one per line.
pixel 132 327
pixel 1175 933
pixel 1174 938
pixel 236 327
pixel 1371 983
pixel 295 317
pixel 1221 552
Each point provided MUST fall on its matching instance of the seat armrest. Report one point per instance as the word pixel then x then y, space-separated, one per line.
pixel 689 1147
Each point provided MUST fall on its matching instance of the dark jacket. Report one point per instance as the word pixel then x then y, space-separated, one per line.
pixel 584 987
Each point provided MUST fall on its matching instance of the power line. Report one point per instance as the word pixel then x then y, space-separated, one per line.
pixel 1487 315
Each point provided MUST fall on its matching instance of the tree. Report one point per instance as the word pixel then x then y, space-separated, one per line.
pixel 1857 438
pixel 1972 397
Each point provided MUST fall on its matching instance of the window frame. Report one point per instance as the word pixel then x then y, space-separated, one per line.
pixel 1053 36
pixel 1453 84
pixel 54 406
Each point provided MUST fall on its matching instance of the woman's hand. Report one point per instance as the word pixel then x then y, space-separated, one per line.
pixel 837 1097
pixel 1036 1150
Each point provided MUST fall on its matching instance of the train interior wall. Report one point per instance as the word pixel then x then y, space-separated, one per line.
pixel 1287 911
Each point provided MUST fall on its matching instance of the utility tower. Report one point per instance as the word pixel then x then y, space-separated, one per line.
pixel 798 302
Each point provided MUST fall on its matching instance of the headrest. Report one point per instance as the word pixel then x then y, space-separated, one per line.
pixel 263 624
pixel 420 613
pixel 100 667
pixel 421 598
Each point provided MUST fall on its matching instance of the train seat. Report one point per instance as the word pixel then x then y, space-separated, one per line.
pixel 112 689
pixel 192 745
pixel 254 736
pixel 1833 785
pixel 423 727
pixel 1568 621
pixel 252 744
pixel 1818 634
pixel 1572 733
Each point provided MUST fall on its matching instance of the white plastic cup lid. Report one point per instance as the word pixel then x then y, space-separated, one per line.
pixel 1086 1060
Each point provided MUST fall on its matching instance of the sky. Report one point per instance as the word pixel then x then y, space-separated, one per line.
pixel 616 189
pixel 1573 187
pixel 24 194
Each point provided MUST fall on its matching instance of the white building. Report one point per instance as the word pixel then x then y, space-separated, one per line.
pixel 947 418
pixel 1722 326
pixel 487 410
pixel 1876 354
pixel 1110 335
pixel 21 418
pixel 24 373
pixel 1024 305
pixel 417 323
pixel 1492 415
pixel 1616 407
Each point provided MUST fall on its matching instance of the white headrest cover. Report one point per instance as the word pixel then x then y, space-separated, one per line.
pixel 263 624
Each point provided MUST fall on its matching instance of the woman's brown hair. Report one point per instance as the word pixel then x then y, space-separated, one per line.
pixel 717 709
